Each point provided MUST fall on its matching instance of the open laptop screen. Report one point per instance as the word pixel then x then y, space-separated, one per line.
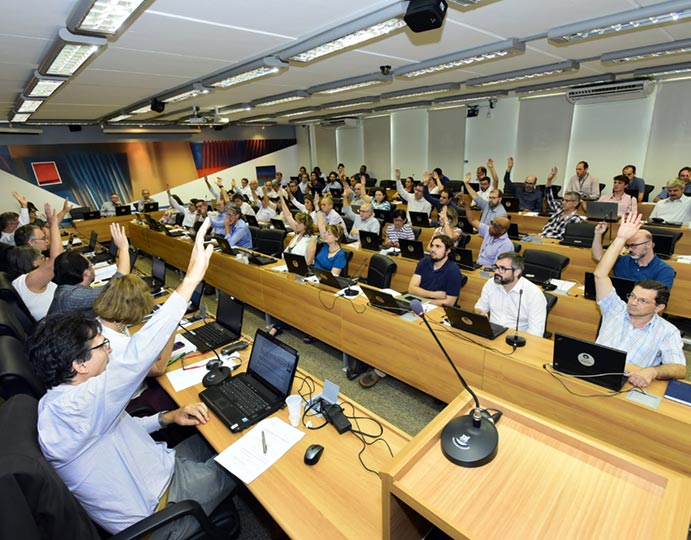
pixel 273 362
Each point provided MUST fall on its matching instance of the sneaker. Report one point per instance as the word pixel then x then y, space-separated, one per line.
pixel 275 330
pixel 369 379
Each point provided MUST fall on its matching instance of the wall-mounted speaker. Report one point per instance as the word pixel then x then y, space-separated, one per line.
pixel 423 15
pixel 157 106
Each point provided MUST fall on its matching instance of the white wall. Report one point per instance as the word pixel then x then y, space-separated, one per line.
pixel 325 143
pixel 447 141
pixel 409 142
pixel 350 149
pixel 377 142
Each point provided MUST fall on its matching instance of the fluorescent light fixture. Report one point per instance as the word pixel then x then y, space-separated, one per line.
pixel 311 120
pixel 142 131
pixel 650 51
pixel 251 120
pixel 69 52
pixel 477 55
pixel 422 91
pixel 670 69
pixel 524 74
pixel 593 79
pixel 402 107
pixel 119 118
pixel 549 94
pixel 107 17
pixel 238 107
pixel 248 72
pixel 25 105
pixel 41 86
pixel 143 109
pixel 281 98
pixel 335 105
pixel 197 89
pixel 352 83
pixel 465 3
pixel 645 17
pixel 16 117
pixel 21 131
pixel 297 112
pixel 466 98
pixel 348 34
pixel 257 124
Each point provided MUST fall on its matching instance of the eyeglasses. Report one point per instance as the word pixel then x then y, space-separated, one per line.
pixel 497 225
pixel 503 269
pixel 633 298
pixel 493 198
pixel 103 344
pixel 569 200
pixel 629 246
pixel 42 238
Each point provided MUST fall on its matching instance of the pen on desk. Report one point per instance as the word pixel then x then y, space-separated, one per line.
pixel 264 447
pixel 178 357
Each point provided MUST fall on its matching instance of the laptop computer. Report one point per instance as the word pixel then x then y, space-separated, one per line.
pixel 474 323
pixel 602 211
pixel 123 210
pixel 254 258
pixel 579 235
pixel 539 274
pixel 150 207
pixel 247 398
pixel 335 282
pixel 511 204
pixel 595 363
pixel 79 211
pixel 106 255
pixel 297 264
pixel 464 258
pixel 662 223
pixel 251 220
pixel 419 219
pixel 91 247
pixel 513 232
pixel 91 214
pixel 411 249
pixel 225 246
pixel 383 300
pixel 157 279
pixel 370 240
pixel 278 224
pixel 623 286
pixel 383 214
pixel 225 329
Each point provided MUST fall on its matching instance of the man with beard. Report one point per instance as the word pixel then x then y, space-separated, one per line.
pixel 491 208
pixel 640 263
pixel 502 294
pixel 529 197
pixel 495 237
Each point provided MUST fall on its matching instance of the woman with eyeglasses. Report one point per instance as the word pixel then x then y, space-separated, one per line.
pixel 304 241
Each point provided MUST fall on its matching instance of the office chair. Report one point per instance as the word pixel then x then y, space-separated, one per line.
pixel 648 190
pixel 9 325
pixel 370 182
pixel 664 240
pixel 11 296
pixel 270 242
pixel 417 231
pixel 16 374
pixel 348 223
pixel 4 249
pixel 254 231
pixel 541 265
pixel 551 302
pixel 37 504
pixel 380 271
pixel 387 184
pixel 517 247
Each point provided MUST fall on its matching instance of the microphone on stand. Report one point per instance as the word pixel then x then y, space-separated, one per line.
pixel 516 340
pixel 349 291
pixel 470 440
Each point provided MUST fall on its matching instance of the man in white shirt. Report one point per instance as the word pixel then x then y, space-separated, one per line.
pixel 583 183
pixel 676 208
pixel 331 217
pixel 192 211
pixel 363 221
pixel 108 207
pixel 415 201
pixel 502 294
pixel 10 221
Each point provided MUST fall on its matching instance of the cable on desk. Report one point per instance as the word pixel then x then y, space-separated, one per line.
pixel 362 435
pixel 464 337
pixel 558 375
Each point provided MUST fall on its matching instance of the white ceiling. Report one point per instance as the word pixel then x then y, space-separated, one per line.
pixel 176 42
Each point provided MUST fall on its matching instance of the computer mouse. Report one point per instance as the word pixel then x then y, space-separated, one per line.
pixel 549 286
pixel 313 454
pixel 216 376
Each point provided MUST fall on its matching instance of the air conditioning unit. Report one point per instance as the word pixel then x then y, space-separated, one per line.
pixel 340 122
pixel 635 89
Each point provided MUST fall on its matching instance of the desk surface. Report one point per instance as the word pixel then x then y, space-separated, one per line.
pixel 316 502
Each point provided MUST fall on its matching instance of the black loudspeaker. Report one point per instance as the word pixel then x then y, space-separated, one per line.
pixel 74 128
pixel 157 106
pixel 423 15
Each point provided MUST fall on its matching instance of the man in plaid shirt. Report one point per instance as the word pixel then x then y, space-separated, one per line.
pixel 562 216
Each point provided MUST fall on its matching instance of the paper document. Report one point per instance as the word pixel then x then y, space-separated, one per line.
pixel 280 268
pixel 194 373
pixel 561 284
pixel 246 458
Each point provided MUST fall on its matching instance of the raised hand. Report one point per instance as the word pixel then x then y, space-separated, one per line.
pixel 629 226
pixel 509 163
pixel 601 228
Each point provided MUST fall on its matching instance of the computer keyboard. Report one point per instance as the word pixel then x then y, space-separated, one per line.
pixel 243 397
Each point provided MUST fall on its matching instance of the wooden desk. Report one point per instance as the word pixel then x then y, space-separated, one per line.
pixel 316 502
pixel 102 225
pixel 545 482
pixel 404 350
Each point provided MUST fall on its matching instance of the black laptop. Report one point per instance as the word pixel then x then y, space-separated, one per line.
pixel 595 363
pixel 278 224
pixel 91 214
pixel 623 286
pixel 247 398
pixel 513 232
pixel 388 302
pixel 335 282
pixel 464 259
pixel 419 219
pixel 579 235
pixel 411 249
pixel 251 220
pixel 386 215
pixel 150 207
pixel 225 329
pixel 223 244
pixel 511 204
pixel 474 323
pixel 90 247
pixel 123 210
pixel 255 258
pixel 602 211
pixel 370 240
pixel 108 255
pixel 157 279
pixel 297 264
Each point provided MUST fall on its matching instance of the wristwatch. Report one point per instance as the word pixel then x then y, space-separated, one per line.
pixel 160 419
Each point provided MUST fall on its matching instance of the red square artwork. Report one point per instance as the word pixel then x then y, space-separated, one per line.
pixel 46 173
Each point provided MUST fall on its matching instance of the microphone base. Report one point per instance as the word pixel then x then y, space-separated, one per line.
pixel 350 292
pixel 515 341
pixel 467 445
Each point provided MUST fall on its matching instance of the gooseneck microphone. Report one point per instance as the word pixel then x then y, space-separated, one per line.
pixel 516 340
pixel 470 440
pixel 349 291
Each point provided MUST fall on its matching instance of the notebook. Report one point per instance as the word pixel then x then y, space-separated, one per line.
pixel 679 391
pixel 383 300
pixel 225 246
pixel 386 215
pixel 602 211
pixel 511 204
pixel 91 247
pixel 623 286
pixel 150 207
pixel 124 210
pixel 251 220
pixel 370 240
pixel 419 219
pixel 225 329
pixel 464 258
pixel 278 224
pixel 595 363
pixel 579 235
pixel 297 264
pixel 247 398
pixel 91 214
pixel 474 323
pixel 411 249
pixel 513 231
pixel 335 282
pixel 259 260
pixel 157 279
pixel 663 245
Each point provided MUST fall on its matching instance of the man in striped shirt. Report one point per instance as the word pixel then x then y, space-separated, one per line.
pixel 568 213
pixel 652 344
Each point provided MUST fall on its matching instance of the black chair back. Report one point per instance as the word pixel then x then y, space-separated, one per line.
pixel 4 249
pixel 541 265
pixel 270 242
pixel 380 271
pixel 11 296
pixel 551 302
pixel 16 374
pixel 9 325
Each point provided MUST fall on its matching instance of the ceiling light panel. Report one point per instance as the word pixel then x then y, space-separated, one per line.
pixel 477 55
pixel 69 52
pixel 119 118
pixel 42 87
pixel 423 91
pixel 28 105
pixel 478 96
pixel 281 98
pixel 654 15
pixel 651 51
pixel 351 83
pixel 238 107
pixel 103 16
pixel 525 74
pixel 604 78
pixel 196 90
pixel 249 72
pixel 297 112
pixel 670 69
pixel 335 105
pixel 19 117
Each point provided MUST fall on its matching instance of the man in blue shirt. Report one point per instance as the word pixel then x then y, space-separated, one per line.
pixel 635 183
pixel 640 263
pixel 436 276
pixel 529 197
pixel 237 231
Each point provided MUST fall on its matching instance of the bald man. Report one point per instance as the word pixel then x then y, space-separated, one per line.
pixel 640 263
pixel 495 237
pixel 529 197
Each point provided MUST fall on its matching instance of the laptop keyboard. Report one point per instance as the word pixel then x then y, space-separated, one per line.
pixel 212 333
pixel 243 397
